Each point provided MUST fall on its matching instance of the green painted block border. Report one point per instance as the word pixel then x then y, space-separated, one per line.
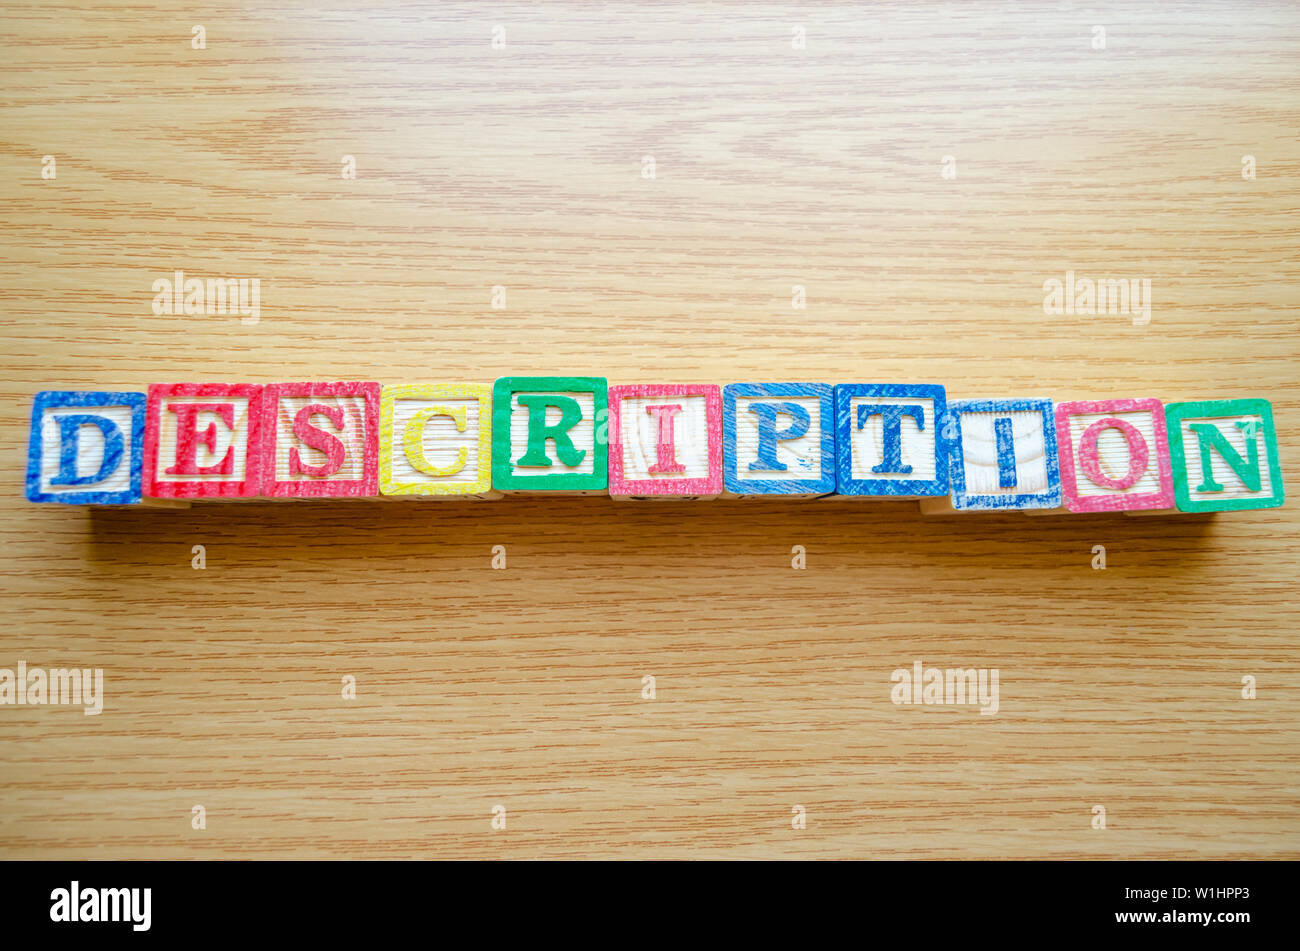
pixel 503 391
pixel 1175 413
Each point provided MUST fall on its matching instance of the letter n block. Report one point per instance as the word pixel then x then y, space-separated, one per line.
pixel 320 440
pixel 889 439
pixel 549 434
pixel 435 440
pixel 667 441
pixel 1224 455
pixel 778 440
pixel 1114 455
pixel 86 448
pixel 1002 456
pixel 203 440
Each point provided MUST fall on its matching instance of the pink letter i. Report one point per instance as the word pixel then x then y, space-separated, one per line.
pixel 665 448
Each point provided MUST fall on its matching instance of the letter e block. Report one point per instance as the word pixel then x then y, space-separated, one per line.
pixel 203 440
pixel 435 440
pixel 320 440
pixel 550 434
pixel 889 439
pixel 86 448
pixel 1114 455
pixel 1224 455
pixel 667 441
pixel 778 440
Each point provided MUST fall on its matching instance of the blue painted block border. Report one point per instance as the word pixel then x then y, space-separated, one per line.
pixel 846 484
pixel 825 394
pixel 91 400
pixel 1029 500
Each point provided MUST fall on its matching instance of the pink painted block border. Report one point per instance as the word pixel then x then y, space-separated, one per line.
pixel 248 487
pixel 709 485
pixel 365 487
pixel 1118 502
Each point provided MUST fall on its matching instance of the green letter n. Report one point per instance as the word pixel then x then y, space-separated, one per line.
pixel 539 432
pixel 1209 437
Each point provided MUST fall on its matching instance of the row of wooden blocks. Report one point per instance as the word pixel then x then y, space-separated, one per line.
pixel 580 435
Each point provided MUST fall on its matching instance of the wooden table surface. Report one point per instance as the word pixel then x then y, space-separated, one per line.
pixel 524 167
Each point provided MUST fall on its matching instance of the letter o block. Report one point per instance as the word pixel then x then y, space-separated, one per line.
pixel 435 440
pixel 1114 455
pixel 667 441
pixel 320 440
pixel 550 434
pixel 203 440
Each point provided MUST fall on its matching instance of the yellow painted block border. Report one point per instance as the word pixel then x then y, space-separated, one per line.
pixel 426 391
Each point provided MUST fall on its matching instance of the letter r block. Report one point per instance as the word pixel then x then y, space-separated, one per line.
pixel 435 440
pixel 320 440
pixel 550 434
pixel 86 448
pixel 778 440
pixel 890 439
pixel 1224 455
pixel 203 440
pixel 667 441
pixel 1114 455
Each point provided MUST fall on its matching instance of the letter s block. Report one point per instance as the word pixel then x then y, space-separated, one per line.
pixel 320 440
pixel 203 440
pixel 1224 455
pixel 1114 455
pixel 435 440
pixel 667 441
pixel 550 434
pixel 86 448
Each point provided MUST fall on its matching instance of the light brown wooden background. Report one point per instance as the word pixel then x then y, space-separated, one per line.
pixel 774 167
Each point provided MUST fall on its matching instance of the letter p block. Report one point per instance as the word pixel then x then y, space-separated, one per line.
pixel 550 434
pixel 435 440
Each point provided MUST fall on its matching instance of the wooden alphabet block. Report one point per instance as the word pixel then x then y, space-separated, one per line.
pixel 435 440
pixel 778 440
pixel 667 441
pixel 1114 455
pixel 549 434
pixel 320 440
pixel 1224 455
pixel 86 448
pixel 889 441
pixel 203 440
pixel 1002 456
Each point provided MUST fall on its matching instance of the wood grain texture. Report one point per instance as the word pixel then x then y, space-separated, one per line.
pixel 775 167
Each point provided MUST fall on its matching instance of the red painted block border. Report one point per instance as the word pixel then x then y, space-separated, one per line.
pixel 365 487
pixel 1163 499
pixel 710 484
pixel 249 486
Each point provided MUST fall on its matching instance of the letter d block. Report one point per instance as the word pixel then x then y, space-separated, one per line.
pixel 550 434
pixel 86 448
pixel 667 441
pixel 1224 455
pixel 778 440
pixel 1114 455
pixel 203 440
pixel 889 439
pixel 320 440
pixel 435 441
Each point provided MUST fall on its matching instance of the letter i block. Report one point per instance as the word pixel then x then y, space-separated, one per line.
pixel 1002 456
pixel 1224 455
pixel 86 448
pixel 549 434
pixel 889 439
pixel 778 440
pixel 203 440
pixel 1114 455
pixel 667 441
pixel 320 440
pixel 435 441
